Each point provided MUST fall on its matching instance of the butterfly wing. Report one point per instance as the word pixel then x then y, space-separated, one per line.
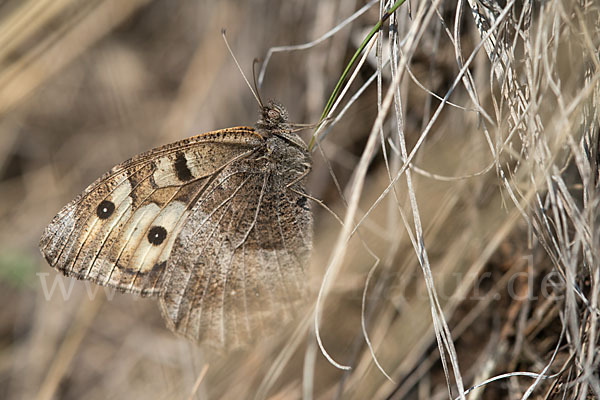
pixel 209 224
pixel 236 270
pixel 109 233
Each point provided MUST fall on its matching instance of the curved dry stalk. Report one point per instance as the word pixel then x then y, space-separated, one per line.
pixel 313 43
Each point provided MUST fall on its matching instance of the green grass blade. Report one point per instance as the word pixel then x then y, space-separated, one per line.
pixel 338 86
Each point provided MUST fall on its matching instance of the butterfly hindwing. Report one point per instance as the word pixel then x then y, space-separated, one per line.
pixel 236 269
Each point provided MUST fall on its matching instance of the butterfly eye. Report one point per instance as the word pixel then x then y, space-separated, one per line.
pixel 273 114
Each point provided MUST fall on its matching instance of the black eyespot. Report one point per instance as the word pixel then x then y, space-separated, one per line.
pixel 105 209
pixel 157 235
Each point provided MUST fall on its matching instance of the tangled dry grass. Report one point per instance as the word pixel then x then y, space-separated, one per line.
pixel 466 173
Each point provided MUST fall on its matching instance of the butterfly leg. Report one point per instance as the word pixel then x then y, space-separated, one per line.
pixel 319 202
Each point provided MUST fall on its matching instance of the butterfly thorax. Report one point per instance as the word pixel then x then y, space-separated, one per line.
pixel 284 148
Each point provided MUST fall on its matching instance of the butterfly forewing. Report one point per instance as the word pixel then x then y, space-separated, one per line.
pixel 102 234
pixel 215 225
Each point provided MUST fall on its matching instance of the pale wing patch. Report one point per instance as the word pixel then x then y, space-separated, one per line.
pixel 165 174
pixel 179 215
pixel 147 252
pixel 129 236
pixel 121 193
pixel 135 235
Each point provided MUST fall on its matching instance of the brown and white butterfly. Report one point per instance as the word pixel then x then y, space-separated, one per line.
pixel 216 226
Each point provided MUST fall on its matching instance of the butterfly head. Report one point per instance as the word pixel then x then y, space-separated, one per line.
pixel 273 118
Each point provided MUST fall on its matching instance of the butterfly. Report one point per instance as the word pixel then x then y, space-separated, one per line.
pixel 216 226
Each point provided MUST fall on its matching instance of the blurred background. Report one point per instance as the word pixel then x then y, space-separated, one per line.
pixel 500 206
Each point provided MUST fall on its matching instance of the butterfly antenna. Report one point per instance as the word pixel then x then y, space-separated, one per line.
pixel 240 68
pixel 254 76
